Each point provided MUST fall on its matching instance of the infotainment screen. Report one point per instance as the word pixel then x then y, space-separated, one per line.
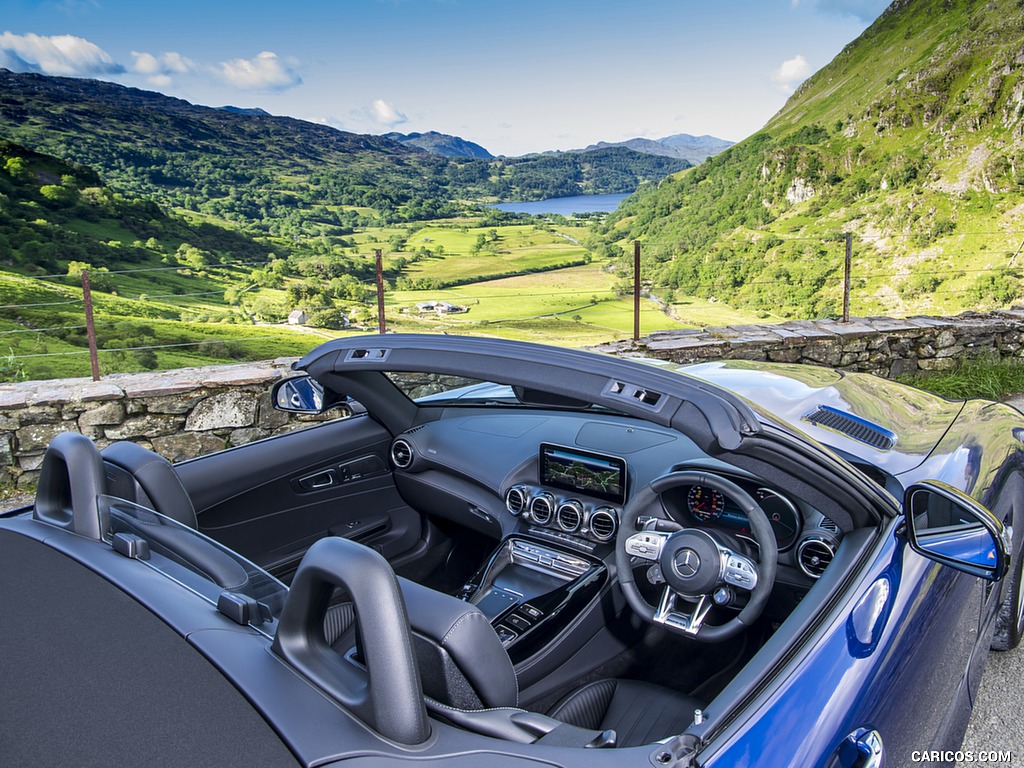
pixel 590 473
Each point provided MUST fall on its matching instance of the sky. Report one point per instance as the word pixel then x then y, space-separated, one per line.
pixel 515 76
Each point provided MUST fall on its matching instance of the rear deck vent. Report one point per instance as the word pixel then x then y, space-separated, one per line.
pixel 853 426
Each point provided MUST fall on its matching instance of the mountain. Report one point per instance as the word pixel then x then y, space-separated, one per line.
pixel 693 149
pixel 278 175
pixel 911 139
pixel 442 144
pixel 246 110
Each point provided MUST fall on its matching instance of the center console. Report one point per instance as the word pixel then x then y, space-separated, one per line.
pixel 531 592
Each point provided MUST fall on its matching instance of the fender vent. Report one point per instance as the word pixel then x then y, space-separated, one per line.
pixel 853 426
pixel 814 556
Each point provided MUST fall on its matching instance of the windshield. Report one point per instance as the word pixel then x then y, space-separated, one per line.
pixel 439 388
pixel 195 561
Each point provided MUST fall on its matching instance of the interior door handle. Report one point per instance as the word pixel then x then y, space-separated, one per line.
pixel 315 482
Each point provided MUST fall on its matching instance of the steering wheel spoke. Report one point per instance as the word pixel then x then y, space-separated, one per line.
pixel 738 570
pixel 646 545
pixel 688 624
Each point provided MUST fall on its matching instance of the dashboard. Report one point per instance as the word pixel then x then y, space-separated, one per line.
pixel 564 478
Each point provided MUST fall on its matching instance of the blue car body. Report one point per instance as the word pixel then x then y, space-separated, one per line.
pixel 872 659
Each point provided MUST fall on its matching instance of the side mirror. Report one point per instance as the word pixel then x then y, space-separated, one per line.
pixel 949 527
pixel 303 394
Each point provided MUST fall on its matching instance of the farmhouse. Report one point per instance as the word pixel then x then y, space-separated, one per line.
pixel 298 317
pixel 441 307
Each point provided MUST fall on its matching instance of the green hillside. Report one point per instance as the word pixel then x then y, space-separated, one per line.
pixel 910 139
pixel 278 175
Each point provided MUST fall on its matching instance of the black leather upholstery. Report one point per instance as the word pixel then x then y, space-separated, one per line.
pixel 147 478
pixel 639 712
pixel 458 641
pixel 461 661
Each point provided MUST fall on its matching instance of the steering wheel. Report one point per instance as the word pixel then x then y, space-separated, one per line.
pixel 697 564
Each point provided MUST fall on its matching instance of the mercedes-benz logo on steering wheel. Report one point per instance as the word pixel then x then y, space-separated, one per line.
pixel 687 562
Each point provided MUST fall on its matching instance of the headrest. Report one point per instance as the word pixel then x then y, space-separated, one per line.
pixel 462 662
pixel 147 478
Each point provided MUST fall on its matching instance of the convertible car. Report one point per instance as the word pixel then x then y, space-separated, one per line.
pixel 505 554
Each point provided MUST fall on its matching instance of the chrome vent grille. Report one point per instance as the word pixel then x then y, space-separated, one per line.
pixel 541 508
pixel 852 426
pixel 603 524
pixel 569 516
pixel 814 556
pixel 402 454
pixel 515 500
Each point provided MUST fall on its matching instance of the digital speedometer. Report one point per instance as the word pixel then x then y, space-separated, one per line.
pixel 705 503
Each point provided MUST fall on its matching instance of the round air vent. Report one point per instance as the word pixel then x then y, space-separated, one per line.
pixel 603 523
pixel 515 500
pixel 814 556
pixel 402 454
pixel 569 516
pixel 542 507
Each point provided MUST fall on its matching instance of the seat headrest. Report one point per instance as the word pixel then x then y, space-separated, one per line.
pixel 462 662
pixel 147 478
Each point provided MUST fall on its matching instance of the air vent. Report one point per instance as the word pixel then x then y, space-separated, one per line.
pixel 569 516
pixel 814 556
pixel 542 507
pixel 515 500
pixel 853 426
pixel 402 454
pixel 828 525
pixel 603 523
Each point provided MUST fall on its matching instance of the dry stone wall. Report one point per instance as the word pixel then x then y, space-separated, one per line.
pixel 189 412
pixel 179 414
pixel 880 345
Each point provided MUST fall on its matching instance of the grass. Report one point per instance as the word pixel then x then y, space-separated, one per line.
pixel 985 380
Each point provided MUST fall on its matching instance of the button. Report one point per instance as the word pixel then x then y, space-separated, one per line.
pixel 533 613
pixel 505 635
pixel 518 622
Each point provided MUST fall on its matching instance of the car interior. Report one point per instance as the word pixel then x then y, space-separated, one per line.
pixel 526 537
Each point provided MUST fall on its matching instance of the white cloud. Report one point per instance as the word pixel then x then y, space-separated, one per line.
pixel 56 55
pixel 385 113
pixel 267 71
pixel 791 73
pixel 159 69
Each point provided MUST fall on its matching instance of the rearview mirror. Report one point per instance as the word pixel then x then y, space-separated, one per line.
pixel 303 394
pixel 949 527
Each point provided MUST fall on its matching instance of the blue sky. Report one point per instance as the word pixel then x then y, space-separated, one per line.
pixel 516 76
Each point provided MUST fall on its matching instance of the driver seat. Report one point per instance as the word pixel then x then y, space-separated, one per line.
pixel 639 712
pixel 468 679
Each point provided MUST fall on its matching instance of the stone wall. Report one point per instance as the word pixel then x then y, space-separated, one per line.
pixel 186 413
pixel 879 345
pixel 180 414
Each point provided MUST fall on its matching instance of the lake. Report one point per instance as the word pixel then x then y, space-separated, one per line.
pixel 566 206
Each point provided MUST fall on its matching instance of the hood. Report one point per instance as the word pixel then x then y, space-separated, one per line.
pixel 881 422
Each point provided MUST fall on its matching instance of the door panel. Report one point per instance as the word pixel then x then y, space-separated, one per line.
pixel 270 500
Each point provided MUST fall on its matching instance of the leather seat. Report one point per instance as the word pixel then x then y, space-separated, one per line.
pixel 638 712
pixel 468 678
pixel 147 478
